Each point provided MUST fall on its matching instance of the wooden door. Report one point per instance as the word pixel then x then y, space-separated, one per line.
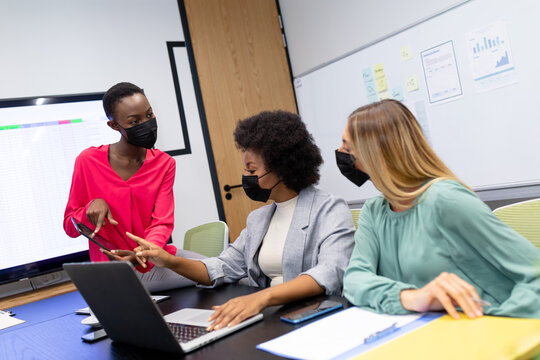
pixel 243 69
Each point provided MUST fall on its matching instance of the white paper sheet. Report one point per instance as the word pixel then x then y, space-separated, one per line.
pixel 8 321
pixel 441 73
pixel 333 335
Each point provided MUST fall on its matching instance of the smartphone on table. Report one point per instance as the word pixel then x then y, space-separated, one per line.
pixel 89 234
pixel 310 311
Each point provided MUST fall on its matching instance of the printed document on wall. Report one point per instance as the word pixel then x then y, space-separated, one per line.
pixel 490 58
pixel 441 73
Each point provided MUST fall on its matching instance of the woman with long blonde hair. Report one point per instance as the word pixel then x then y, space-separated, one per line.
pixel 428 242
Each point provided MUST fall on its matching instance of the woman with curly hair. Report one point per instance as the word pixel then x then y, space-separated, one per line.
pixel 294 248
pixel 428 242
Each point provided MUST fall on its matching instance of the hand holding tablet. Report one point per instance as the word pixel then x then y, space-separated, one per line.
pixel 95 238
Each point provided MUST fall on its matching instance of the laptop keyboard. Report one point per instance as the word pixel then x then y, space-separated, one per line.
pixel 184 333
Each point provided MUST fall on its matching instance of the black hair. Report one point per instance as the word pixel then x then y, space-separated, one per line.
pixel 117 93
pixel 287 148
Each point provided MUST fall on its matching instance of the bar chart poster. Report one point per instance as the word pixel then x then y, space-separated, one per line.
pixel 490 57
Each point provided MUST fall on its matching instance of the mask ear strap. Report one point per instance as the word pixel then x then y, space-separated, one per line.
pixel 272 188
pixel 268 172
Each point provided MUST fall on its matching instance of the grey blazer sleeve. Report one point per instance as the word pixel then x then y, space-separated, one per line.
pixel 333 235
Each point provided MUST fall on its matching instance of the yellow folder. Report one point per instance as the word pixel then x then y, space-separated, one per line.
pixel 488 337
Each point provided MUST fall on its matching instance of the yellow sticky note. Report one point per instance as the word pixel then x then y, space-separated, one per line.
pixel 378 71
pixel 381 84
pixel 385 95
pixel 412 83
pixel 405 53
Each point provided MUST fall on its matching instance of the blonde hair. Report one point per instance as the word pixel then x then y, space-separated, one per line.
pixel 390 145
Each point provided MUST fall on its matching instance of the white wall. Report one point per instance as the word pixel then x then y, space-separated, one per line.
pixel 51 47
pixel 320 31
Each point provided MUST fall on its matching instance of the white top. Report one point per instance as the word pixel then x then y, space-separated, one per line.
pixel 271 253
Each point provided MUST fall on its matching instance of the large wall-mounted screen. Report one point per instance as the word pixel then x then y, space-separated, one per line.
pixel 40 139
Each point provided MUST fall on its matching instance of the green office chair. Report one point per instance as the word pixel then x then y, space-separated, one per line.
pixel 208 239
pixel 524 218
pixel 355 215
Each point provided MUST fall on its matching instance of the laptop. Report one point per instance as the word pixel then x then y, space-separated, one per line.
pixel 126 311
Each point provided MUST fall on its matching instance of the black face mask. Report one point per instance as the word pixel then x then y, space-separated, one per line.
pixel 345 163
pixel 250 183
pixel 144 134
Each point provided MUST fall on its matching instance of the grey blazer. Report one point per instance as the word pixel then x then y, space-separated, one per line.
pixel 319 243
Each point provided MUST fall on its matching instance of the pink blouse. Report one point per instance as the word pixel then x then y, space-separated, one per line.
pixel 142 205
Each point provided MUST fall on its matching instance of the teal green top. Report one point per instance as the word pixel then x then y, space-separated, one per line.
pixel 449 230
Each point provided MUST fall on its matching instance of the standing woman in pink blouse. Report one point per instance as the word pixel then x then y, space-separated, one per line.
pixel 127 187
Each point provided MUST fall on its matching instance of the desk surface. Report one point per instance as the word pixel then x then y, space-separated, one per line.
pixel 52 329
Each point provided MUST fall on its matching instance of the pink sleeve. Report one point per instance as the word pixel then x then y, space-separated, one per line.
pixel 162 224
pixel 76 206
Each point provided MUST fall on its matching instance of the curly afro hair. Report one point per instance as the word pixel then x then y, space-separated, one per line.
pixel 288 149
pixel 117 93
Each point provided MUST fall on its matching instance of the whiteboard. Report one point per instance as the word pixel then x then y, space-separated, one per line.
pixel 490 139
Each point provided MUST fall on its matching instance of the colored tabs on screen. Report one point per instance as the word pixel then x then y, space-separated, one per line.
pixel 10 127
pixel 39 124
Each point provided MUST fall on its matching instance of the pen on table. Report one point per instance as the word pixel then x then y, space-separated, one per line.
pixel 381 333
pixel 7 312
pixel 482 302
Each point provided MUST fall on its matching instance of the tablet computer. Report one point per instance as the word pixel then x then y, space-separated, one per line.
pixel 89 234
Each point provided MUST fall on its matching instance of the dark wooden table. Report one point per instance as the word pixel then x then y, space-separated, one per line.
pixel 53 330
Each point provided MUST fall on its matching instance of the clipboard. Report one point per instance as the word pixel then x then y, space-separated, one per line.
pixel 345 334
pixel 382 337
